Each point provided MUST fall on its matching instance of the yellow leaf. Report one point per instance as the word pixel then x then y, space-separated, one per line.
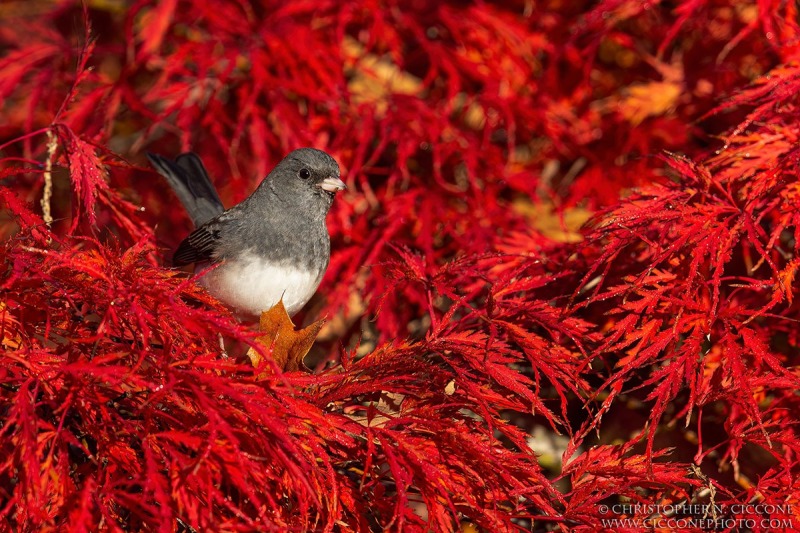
pixel 375 78
pixel 640 101
pixel 649 100
pixel 287 346
pixel 561 226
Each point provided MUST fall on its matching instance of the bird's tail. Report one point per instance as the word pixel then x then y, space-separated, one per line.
pixel 188 178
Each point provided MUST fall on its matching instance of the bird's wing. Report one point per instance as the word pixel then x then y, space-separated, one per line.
pixel 200 245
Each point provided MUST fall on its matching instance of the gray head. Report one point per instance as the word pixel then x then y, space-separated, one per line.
pixel 307 178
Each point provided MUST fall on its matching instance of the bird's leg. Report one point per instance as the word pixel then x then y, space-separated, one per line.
pixel 224 352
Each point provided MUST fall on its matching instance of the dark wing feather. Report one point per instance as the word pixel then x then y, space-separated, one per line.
pixel 198 246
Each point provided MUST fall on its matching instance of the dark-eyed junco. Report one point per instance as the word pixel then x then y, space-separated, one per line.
pixel 273 245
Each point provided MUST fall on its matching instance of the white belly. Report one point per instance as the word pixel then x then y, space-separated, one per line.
pixel 253 285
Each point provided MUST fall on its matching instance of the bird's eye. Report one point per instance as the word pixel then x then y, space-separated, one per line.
pixel 305 173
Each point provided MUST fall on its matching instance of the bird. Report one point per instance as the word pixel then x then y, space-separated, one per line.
pixel 272 246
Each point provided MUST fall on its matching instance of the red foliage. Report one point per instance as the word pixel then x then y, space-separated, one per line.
pixel 471 320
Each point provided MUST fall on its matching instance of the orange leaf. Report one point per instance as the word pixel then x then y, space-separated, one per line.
pixel 154 25
pixel 287 345
pixel 786 278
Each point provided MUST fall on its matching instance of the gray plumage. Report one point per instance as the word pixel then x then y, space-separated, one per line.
pixel 273 244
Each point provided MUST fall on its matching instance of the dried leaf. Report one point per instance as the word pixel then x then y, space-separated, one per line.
pixel 286 345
